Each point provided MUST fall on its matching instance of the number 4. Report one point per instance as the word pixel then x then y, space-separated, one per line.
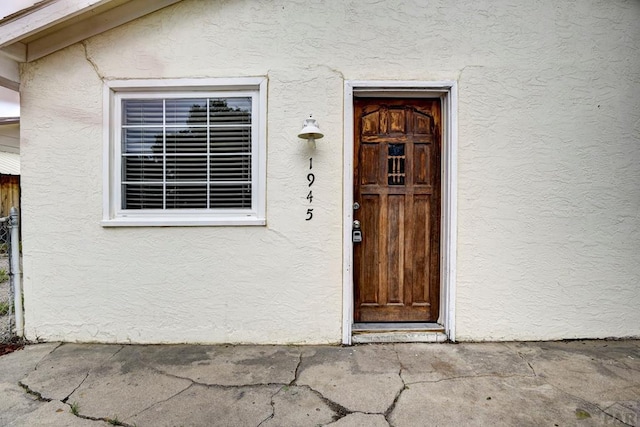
pixel 310 196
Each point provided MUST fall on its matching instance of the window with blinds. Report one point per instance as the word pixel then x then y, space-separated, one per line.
pixel 186 153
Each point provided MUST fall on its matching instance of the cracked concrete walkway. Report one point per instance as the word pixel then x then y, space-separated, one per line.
pixel 577 383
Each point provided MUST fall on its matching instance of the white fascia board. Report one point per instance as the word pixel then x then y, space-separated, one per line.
pixel 40 19
pixel 9 72
pixel 57 12
pixel 93 25
pixel 16 51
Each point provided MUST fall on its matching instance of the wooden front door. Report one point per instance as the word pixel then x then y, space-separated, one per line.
pixel 397 202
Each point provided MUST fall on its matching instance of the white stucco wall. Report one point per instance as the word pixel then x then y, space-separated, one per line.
pixel 548 173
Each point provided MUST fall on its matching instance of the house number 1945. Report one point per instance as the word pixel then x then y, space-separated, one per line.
pixel 311 178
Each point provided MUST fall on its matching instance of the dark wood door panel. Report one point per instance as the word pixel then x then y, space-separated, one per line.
pixel 397 184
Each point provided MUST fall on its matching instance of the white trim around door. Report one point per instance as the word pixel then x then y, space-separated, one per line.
pixel 447 91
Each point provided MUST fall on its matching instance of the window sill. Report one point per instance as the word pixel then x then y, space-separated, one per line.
pixel 182 222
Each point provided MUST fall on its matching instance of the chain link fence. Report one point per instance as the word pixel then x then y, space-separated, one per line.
pixel 8 330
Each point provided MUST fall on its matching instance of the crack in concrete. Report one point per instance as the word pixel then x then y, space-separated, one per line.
pixel 273 407
pixel 40 398
pixel 37 394
pixel 77 387
pixel 47 355
pixel 88 373
pixel 359 412
pixel 633 414
pixel 163 400
pixel 337 408
pixel 292 383
pixel 114 354
pixel 220 386
pixel 521 356
pixel 113 421
pixel 392 407
pixel 469 376
pixel 91 61
pixel 297 371
pixel 618 419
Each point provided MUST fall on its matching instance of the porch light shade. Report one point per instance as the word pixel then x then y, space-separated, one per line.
pixel 310 130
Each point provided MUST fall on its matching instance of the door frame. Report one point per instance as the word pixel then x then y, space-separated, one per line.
pixel 447 91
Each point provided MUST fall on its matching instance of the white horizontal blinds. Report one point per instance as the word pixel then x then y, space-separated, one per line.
pixel 186 153
pixel 142 154
pixel 230 143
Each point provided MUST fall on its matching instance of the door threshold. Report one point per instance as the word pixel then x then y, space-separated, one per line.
pixel 397 326
pixel 365 333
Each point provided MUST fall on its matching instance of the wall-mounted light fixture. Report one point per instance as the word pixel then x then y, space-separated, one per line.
pixel 310 131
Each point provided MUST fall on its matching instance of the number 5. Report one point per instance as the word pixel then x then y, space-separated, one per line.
pixel 309 214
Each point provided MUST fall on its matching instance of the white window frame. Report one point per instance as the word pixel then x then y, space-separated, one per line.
pixel 117 90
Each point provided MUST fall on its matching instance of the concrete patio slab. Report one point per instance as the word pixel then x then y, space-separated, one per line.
pixel 204 406
pixel 495 401
pixel 579 368
pixel 226 365
pixel 361 378
pixel 16 403
pixel 60 372
pixel 17 365
pixel 438 362
pixel 582 383
pixel 55 414
pixel 107 392
pixel 300 406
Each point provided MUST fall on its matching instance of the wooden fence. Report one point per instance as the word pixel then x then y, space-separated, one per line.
pixel 9 193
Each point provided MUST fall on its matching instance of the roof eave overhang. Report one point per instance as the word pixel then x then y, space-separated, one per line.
pixel 52 25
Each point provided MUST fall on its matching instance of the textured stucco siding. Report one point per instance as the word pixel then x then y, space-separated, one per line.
pixel 548 240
